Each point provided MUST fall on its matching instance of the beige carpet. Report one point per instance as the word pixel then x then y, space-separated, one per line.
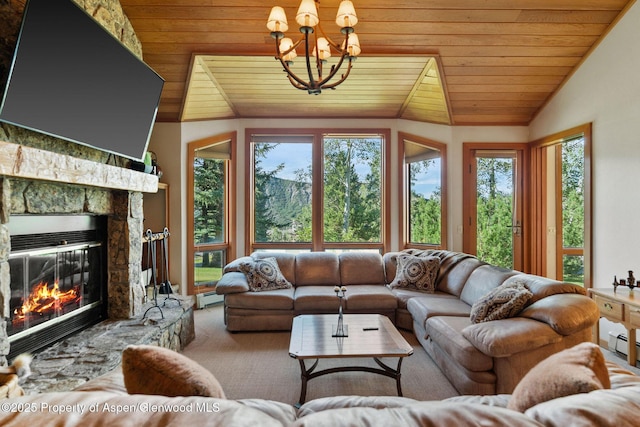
pixel 258 365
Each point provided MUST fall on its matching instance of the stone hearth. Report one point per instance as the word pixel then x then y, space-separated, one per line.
pixel 98 350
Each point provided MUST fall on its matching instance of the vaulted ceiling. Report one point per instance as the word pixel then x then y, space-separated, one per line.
pixel 471 62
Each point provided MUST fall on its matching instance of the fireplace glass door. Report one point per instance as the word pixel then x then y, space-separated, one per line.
pixel 49 285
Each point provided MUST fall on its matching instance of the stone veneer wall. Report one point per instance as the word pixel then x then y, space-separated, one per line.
pixel 21 196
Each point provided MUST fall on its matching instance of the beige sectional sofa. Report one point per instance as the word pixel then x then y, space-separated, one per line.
pixel 478 358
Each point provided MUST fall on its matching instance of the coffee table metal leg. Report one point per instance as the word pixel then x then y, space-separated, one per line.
pixel 304 377
pixel 307 374
pixel 390 372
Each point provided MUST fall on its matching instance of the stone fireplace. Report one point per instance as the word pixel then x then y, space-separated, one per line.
pixel 42 175
pixel 36 182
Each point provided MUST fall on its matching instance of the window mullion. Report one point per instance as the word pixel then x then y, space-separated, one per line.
pixel 317 201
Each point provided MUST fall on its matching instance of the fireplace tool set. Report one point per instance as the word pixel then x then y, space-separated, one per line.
pixel 154 287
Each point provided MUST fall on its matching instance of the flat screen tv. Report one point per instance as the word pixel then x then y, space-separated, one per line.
pixel 72 79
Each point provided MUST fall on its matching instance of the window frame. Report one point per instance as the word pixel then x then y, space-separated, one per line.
pixel 539 194
pixel 317 242
pixel 404 187
pixel 229 221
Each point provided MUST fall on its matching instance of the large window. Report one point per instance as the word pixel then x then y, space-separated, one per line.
pixel 423 189
pixel 317 190
pixel 209 199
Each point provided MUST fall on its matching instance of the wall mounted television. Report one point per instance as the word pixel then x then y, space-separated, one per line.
pixel 72 79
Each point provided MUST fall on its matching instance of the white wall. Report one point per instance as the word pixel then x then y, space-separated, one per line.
pixel 606 91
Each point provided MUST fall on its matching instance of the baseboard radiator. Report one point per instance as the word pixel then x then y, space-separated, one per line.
pixel 618 343
pixel 208 298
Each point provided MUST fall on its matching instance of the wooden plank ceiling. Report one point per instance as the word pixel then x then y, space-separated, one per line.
pixel 471 62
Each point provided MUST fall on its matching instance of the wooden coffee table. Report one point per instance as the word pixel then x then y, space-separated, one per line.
pixel 370 335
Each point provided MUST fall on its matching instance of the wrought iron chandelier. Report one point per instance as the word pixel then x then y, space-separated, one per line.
pixel 317 46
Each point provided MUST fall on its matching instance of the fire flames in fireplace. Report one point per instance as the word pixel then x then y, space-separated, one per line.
pixel 46 301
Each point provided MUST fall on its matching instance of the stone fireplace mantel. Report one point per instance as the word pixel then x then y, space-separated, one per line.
pixel 19 161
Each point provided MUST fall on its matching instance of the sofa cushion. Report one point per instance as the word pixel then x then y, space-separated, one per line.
pixel 542 287
pixel 577 312
pixel 419 414
pixel 370 297
pixel 403 295
pixel 149 369
pixel 502 338
pixel 500 400
pixel 264 275
pixel 579 369
pixel 318 299
pixel 416 272
pixel 277 299
pixel 317 268
pixel 232 282
pixel 338 402
pixel 482 280
pixel 446 332
pixel 361 268
pixel 94 408
pixel 454 273
pixel 438 304
pixel 505 301
pixel 390 261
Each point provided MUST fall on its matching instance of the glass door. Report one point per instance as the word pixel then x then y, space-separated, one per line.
pixel 493 228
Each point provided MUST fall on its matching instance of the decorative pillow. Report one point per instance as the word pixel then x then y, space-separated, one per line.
pixel 264 274
pixel 505 301
pixel 579 369
pixel 416 272
pixel 149 369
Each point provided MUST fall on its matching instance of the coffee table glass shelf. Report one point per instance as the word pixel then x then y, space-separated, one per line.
pixel 370 335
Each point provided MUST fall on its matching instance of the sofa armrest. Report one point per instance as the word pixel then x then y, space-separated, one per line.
pixel 232 282
pixel 564 313
pixel 502 338
pixel 235 264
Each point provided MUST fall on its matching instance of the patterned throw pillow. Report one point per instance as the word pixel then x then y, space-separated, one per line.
pixel 505 301
pixel 264 274
pixel 416 272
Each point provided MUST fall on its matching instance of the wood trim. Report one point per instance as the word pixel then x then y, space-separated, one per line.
pixel 469 212
pixel 558 212
pixel 230 231
pixel 403 191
